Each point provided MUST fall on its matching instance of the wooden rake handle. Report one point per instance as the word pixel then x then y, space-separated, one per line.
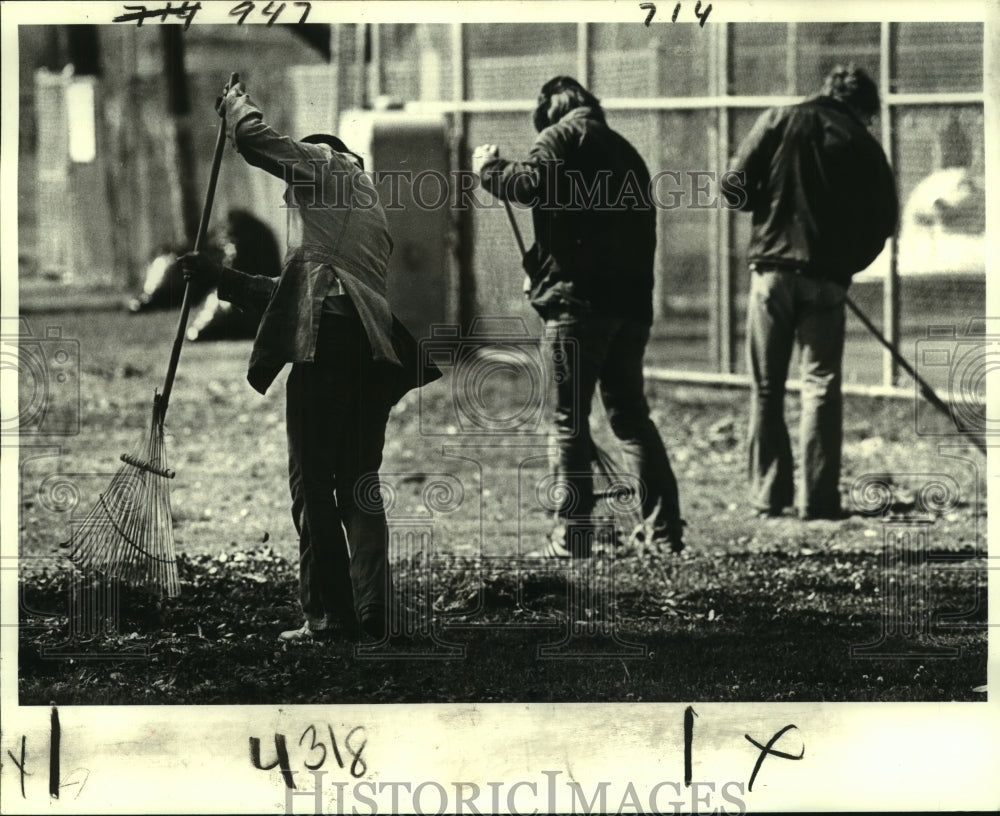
pixel 925 389
pixel 526 286
pixel 163 399
pixel 514 227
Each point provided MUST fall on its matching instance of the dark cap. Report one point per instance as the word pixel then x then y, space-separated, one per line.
pixel 335 143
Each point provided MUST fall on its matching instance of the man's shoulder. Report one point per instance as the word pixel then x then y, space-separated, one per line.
pixel 575 122
pixel 826 109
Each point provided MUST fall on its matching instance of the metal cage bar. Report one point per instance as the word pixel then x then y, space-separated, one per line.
pixel 890 287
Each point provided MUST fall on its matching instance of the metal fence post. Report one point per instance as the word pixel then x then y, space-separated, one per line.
pixel 721 304
pixel 890 289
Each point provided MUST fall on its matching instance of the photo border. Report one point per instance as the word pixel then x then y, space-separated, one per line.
pixel 194 759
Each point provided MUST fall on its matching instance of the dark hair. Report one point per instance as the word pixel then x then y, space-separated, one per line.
pixel 558 97
pixel 335 143
pixel 852 86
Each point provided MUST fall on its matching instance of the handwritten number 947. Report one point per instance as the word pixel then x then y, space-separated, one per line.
pixel 272 12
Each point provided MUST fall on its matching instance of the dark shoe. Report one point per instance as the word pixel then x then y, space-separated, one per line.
pixel 374 630
pixel 824 515
pixel 671 537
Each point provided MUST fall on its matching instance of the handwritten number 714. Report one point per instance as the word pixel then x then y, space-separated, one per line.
pixel 701 15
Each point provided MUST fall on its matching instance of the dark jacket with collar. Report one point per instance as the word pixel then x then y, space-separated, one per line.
pixel 595 227
pixel 820 189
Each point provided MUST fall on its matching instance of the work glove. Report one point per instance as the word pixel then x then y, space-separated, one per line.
pixel 239 89
pixel 483 154
pixel 200 268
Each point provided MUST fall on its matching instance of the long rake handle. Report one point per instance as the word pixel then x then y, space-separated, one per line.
pixel 513 226
pixel 925 389
pixel 526 287
pixel 206 214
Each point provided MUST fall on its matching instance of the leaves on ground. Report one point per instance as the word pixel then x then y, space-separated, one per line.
pixel 753 610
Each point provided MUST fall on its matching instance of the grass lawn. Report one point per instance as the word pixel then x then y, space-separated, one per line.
pixel 754 610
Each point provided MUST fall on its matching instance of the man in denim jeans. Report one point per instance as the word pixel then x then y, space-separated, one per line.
pixel 591 275
pixel 824 201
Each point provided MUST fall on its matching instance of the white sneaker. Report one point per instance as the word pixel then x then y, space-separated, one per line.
pixel 310 630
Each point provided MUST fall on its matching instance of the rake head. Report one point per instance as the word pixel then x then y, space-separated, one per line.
pixel 619 490
pixel 128 536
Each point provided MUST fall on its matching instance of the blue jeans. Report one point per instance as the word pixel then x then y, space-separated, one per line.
pixel 336 411
pixel 786 309
pixel 587 351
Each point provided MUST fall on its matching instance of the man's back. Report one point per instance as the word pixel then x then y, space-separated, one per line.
pixel 821 191
pixel 595 225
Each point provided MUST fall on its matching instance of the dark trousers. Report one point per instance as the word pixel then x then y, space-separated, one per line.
pixel 589 351
pixel 786 309
pixel 337 410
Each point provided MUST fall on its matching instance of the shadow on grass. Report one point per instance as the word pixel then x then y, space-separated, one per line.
pixel 710 628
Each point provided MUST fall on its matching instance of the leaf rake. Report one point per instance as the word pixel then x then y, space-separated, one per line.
pixel 128 536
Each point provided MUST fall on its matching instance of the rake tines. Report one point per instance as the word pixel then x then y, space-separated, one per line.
pixel 620 490
pixel 128 536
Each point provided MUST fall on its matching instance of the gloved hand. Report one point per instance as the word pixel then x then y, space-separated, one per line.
pixel 239 89
pixel 200 268
pixel 483 154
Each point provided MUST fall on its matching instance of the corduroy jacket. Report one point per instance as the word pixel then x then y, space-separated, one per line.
pixel 344 237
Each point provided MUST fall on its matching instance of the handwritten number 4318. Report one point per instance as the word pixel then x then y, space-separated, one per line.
pixel 316 753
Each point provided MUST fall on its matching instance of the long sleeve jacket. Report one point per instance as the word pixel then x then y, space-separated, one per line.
pixel 820 189
pixel 344 237
pixel 595 227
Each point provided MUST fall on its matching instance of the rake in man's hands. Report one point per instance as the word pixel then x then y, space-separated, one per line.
pixel 128 536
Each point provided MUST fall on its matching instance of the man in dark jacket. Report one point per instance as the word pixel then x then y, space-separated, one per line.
pixel 591 277
pixel 327 315
pixel 824 202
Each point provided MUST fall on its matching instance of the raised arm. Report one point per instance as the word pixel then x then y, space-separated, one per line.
pixel 262 146
pixel 524 182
